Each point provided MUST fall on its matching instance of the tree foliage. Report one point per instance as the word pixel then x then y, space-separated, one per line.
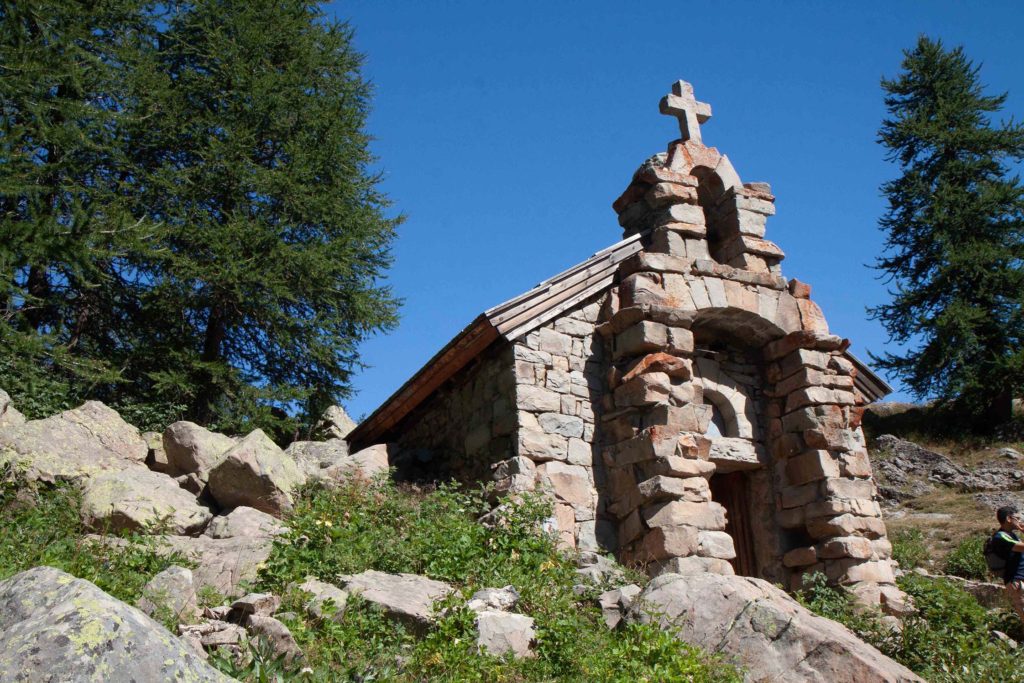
pixel 954 235
pixel 189 215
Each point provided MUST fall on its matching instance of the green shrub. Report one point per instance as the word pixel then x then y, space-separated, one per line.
pixel 967 559
pixel 41 527
pixel 949 640
pixel 908 548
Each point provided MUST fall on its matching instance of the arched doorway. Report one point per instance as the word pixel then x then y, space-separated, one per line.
pixel 732 386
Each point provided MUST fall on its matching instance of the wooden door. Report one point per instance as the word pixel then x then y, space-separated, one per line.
pixel 730 490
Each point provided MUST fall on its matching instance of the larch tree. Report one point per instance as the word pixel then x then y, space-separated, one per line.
pixel 955 237
pixel 252 148
pixel 191 224
pixel 65 224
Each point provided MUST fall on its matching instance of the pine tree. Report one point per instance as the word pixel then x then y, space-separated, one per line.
pixel 250 140
pixel 955 236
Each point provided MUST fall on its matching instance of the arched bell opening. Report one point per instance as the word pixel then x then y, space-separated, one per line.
pixel 710 190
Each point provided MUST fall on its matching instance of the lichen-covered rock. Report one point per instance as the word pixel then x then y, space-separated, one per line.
pixel 244 521
pixel 172 590
pixel 763 629
pixel 194 449
pixel 407 598
pixel 73 445
pixel 56 628
pixel 137 499
pixel 313 457
pixel 258 474
pixel 335 423
pixel 9 415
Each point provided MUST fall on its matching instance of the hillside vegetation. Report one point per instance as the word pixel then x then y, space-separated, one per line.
pixel 381 526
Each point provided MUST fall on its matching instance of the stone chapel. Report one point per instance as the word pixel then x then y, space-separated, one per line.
pixel 685 406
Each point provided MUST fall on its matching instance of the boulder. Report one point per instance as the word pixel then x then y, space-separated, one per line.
pixel 54 627
pixel 407 598
pixel 334 423
pixel 313 457
pixel 73 445
pixel 194 449
pixel 222 564
pixel 321 594
pixel 172 590
pixel 9 415
pixel 761 628
pixel 156 459
pixel 366 464
pixel 502 599
pixel 255 604
pixel 137 499
pixel 273 632
pixel 244 521
pixel 501 633
pixel 615 603
pixel 258 474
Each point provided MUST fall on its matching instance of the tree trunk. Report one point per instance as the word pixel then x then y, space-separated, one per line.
pixel 206 397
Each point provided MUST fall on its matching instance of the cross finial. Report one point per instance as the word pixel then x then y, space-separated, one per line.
pixel 681 104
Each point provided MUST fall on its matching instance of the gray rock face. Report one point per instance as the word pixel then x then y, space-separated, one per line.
pixel 407 598
pixel 194 449
pixel 500 633
pixel 244 521
pixel 903 459
pixel 137 499
pixel 72 445
pixel 321 594
pixel 9 415
pixel 56 628
pixel 173 590
pixel 258 474
pixel 763 629
pixel 335 423
pixel 313 457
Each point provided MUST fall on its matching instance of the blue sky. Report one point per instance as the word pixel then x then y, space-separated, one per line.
pixel 505 130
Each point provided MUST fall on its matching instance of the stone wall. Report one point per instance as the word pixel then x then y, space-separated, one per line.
pixel 465 426
pixel 559 371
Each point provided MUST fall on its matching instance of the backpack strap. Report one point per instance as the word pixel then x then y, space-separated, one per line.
pixel 1006 537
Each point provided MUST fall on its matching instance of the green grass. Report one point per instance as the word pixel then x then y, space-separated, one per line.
pixel 382 527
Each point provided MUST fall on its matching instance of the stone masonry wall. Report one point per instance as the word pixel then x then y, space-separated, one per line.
pixel 706 271
pixel 466 426
pixel 559 371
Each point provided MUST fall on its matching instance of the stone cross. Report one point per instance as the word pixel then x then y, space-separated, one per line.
pixel 681 104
